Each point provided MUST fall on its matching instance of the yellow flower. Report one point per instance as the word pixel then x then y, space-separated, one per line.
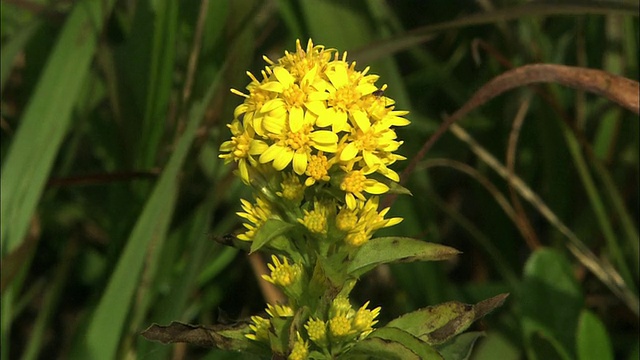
pixel 346 88
pixel 256 214
pixel 341 304
pixel 347 219
pixel 355 182
pixel 279 310
pixel 316 220
pixel 249 110
pixel 241 147
pixel 300 349
pixel 372 144
pixel 318 169
pixel 364 319
pixel 357 237
pixel 317 331
pixel 373 220
pixel 260 329
pixel 282 273
pixel 295 143
pixel 292 189
pixel 340 325
pixel 301 62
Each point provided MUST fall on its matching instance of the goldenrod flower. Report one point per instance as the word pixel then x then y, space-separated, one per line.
pixel 301 62
pixel 294 144
pixel 317 331
pixel 340 325
pixel 279 310
pixel 292 188
pixel 341 304
pixel 318 169
pixel 256 214
pixel 249 110
pixel 241 147
pixel 355 182
pixel 364 319
pixel 300 349
pixel 347 219
pixel 346 88
pixel 282 273
pixel 316 220
pixel 358 237
pixel 260 329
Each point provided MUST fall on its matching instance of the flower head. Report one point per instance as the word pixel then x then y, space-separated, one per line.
pixel 260 329
pixel 300 349
pixel 256 215
pixel 314 114
pixel 282 273
pixel 317 331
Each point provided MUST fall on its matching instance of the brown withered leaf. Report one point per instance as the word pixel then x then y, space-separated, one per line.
pixel 226 337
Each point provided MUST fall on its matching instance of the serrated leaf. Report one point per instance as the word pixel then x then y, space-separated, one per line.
pixel 269 231
pixel 397 249
pixel 393 343
pixel 437 324
pixel 225 337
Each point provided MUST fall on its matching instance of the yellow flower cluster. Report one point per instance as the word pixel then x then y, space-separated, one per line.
pixel 344 323
pixel 314 121
pixel 314 116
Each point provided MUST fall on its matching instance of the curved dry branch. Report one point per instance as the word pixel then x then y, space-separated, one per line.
pixel 615 88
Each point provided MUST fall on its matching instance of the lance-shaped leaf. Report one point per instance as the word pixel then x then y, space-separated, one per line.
pixel 225 337
pixel 396 249
pixel 393 343
pixel 439 323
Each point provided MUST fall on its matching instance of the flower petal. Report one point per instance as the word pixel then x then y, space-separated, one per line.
pixel 272 86
pixel 375 187
pixel 283 159
pixel 361 119
pixel 338 75
pixel 257 147
pixel 370 159
pixel 324 137
pixel 349 152
pixel 270 154
pixel 299 162
pixel 283 76
pixel 296 118
pixel 272 104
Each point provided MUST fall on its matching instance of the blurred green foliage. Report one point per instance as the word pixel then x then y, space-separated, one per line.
pixel 112 114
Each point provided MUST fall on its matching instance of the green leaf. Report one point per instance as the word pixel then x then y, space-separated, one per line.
pixel 396 249
pixel 439 323
pixel 592 340
pixel 46 119
pixel 551 303
pixel 42 129
pixel 108 321
pixel 393 343
pixel 460 347
pixel 269 231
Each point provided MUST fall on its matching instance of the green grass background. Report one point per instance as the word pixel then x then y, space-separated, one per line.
pixel 113 111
